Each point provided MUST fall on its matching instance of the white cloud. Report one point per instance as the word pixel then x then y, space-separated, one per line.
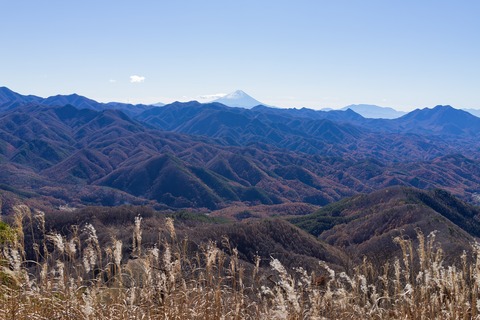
pixel 210 97
pixel 137 79
pixel 112 81
pixel 213 96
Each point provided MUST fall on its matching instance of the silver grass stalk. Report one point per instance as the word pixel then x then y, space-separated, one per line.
pixel 117 252
pixel 89 258
pixel 71 248
pixel 287 283
pixel 170 227
pixel 39 216
pixel 57 240
pixel 137 235
pixel 88 306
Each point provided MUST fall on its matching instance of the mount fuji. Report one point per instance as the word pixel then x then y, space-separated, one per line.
pixel 238 99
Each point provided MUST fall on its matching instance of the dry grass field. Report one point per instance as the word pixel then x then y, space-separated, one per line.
pixel 76 277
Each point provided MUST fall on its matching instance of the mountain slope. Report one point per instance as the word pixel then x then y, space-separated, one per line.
pixel 76 100
pixel 333 115
pixel 442 121
pixel 275 238
pixel 475 112
pixel 10 99
pixel 367 224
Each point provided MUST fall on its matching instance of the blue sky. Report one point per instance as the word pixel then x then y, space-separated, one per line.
pixel 316 54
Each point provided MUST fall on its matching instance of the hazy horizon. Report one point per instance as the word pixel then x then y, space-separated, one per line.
pixel 214 97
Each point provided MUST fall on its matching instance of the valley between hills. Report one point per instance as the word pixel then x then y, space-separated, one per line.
pixel 261 187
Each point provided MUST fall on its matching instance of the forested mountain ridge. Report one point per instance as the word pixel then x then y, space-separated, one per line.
pixel 210 155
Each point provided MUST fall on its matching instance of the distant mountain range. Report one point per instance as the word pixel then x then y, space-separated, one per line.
pixel 237 99
pixel 209 155
pixel 10 99
pixel 375 112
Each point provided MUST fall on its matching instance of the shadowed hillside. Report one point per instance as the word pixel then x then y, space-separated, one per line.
pixel 367 224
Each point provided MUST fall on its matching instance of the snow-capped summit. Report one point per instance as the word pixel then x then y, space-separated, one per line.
pixel 238 99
